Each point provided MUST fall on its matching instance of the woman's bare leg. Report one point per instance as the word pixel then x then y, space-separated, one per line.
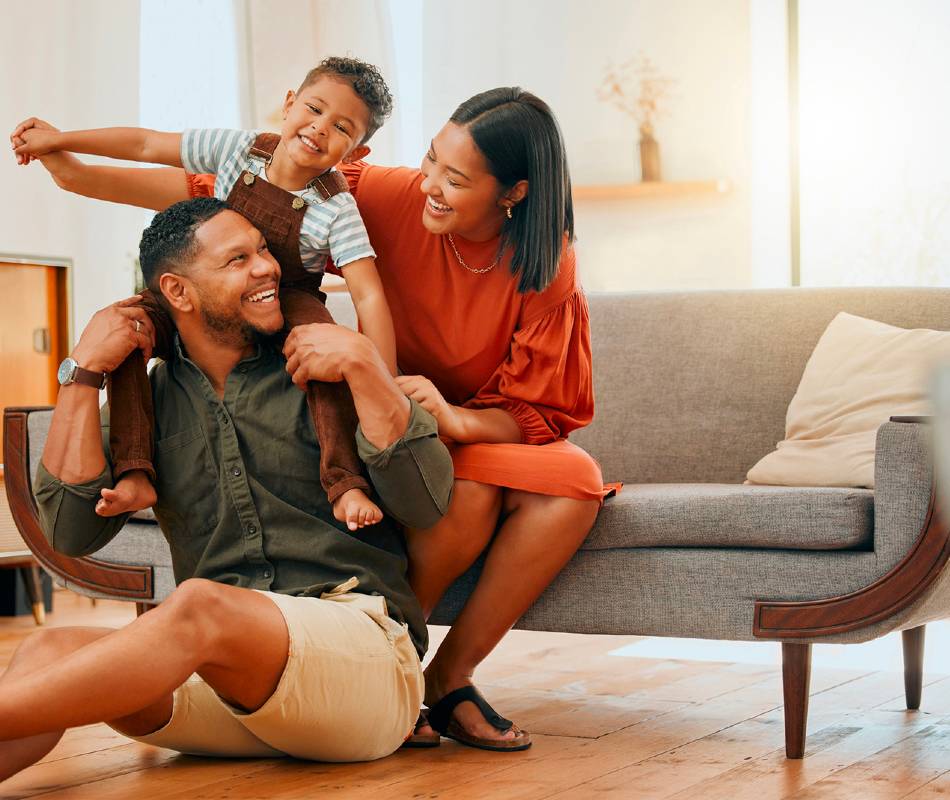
pixel 538 530
pixel 438 555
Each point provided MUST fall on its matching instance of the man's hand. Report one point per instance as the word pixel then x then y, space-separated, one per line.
pixel 113 333
pixel 33 134
pixel 323 352
pixel 423 391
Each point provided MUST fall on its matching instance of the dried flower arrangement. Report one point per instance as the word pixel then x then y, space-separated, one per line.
pixel 637 88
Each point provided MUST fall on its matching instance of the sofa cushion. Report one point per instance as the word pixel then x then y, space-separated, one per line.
pixel 860 373
pixel 730 515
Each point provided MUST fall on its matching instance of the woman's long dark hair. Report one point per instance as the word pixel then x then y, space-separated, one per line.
pixel 521 140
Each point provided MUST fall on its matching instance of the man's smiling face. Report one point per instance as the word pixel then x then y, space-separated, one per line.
pixel 236 279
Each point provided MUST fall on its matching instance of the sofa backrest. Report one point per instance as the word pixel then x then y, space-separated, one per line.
pixel 693 386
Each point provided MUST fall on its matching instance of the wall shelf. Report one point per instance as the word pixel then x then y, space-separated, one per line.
pixel 651 189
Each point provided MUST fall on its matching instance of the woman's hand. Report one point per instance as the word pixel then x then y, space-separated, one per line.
pixel 423 391
pixel 17 138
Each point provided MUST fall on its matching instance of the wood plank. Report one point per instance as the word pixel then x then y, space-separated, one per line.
pixel 90 768
pixel 938 788
pixel 895 771
pixel 174 775
pixel 695 768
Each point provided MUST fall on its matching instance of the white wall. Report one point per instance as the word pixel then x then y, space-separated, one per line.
pixel 76 65
pixel 558 49
pixel 875 127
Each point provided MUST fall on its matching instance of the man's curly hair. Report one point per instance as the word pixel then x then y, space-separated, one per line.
pixel 168 244
pixel 366 82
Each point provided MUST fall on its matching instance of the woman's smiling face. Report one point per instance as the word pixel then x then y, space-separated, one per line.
pixel 462 196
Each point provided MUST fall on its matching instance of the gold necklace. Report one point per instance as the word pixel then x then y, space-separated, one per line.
pixel 461 260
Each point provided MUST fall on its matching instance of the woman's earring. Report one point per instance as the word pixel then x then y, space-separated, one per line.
pixel 508 211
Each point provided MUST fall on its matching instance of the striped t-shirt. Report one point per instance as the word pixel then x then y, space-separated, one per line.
pixel 331 227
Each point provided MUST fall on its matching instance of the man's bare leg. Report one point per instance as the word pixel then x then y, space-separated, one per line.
pixel 234 638
pixel 40 649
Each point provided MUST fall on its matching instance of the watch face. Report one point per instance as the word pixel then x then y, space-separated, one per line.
pixel 65 371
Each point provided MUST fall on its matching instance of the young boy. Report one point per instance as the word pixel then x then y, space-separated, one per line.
pixel 286 186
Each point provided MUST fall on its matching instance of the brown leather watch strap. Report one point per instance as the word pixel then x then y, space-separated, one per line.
pixel 89 378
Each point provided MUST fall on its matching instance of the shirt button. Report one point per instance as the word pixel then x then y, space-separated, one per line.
pixel 252 528
pixel 266 573
pixel 236 472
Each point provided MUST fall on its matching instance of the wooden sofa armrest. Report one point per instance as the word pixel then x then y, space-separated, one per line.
pixel 903 584
pixel 121 581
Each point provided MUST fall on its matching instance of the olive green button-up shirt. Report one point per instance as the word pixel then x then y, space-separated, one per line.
pixel 239 494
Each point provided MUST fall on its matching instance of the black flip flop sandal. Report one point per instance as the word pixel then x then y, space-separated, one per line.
pixel 420 740
pixel 440 718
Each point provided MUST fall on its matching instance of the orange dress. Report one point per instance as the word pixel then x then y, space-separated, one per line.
pixel 482 343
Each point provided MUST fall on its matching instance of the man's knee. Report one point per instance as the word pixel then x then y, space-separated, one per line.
pixel 198 611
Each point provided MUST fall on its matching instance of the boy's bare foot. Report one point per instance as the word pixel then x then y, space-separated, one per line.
pixel 355 509
pixel 133 492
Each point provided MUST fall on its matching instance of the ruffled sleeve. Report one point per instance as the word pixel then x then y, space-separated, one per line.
pixel 352 172
pixel 200 185
pixel 546 382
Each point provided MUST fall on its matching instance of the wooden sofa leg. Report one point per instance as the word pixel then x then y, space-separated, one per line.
pixel 34 590
pixel 796 675
pixel 913 665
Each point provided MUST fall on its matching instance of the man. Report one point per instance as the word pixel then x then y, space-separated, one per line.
pixel 287 633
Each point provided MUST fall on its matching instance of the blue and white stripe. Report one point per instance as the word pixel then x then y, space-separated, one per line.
pixel 331 227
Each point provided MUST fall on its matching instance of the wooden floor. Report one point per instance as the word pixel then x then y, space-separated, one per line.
pixel 603 727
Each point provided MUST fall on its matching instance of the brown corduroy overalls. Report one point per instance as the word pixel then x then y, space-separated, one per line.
pixel 278 215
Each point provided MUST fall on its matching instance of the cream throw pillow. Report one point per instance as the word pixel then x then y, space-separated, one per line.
pixel 861 373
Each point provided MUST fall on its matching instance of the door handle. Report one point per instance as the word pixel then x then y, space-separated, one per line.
pixel 41 340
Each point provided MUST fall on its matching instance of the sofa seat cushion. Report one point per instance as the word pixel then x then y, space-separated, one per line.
pixel 732 515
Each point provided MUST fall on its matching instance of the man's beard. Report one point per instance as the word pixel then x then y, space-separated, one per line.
pixel 228 327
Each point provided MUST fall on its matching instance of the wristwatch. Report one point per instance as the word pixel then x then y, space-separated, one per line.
pixel 70 372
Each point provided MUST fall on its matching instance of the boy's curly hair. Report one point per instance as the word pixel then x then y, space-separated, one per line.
pixel 366 82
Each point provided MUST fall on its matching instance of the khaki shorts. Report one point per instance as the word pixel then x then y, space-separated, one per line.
pixel 351 689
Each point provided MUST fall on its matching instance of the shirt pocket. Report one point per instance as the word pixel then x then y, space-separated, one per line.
pixel 186 483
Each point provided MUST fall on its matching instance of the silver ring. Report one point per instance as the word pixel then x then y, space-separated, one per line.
pixel 138 326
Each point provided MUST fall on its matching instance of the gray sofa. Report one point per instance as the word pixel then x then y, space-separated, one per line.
pixel 692 389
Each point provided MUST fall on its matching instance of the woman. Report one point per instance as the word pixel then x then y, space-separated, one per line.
pixel 475 253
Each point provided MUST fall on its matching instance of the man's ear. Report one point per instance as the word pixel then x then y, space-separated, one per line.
pixel 288 102
pixel 177 291
pixel 357 153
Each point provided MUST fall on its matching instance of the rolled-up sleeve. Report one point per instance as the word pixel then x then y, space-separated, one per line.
pixel 414 475
pixel 68 513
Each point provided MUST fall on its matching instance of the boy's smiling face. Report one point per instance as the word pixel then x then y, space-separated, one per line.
pixel 324 124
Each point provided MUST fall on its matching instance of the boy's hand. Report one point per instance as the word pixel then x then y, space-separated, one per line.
pixel 322 351
pixel 17 138
pixel 423 391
